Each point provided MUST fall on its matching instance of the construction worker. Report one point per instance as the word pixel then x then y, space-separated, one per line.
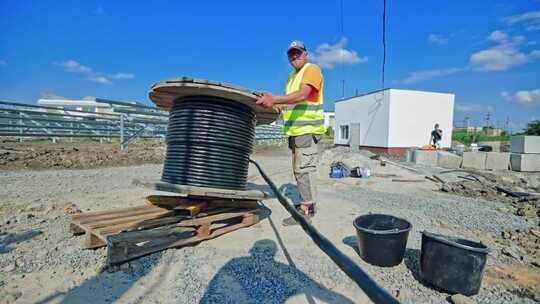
pixel 436 136
pixel 303 122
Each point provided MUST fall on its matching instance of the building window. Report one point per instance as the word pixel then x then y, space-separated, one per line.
pixel 344 132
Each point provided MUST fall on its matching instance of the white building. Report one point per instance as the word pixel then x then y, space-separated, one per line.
pixel 393 120
pixel 330 119
pixel 87 104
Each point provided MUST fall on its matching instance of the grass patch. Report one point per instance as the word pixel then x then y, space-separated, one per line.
pixel 474 137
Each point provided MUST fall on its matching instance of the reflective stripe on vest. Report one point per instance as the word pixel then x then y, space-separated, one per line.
pixel 304 117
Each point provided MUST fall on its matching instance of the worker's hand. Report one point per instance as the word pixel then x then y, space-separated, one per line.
pixel 280 108
pixel 266 100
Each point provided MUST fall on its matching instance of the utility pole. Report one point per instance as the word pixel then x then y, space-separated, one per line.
pixel 466 122
pixel 507 127
pixel 488 118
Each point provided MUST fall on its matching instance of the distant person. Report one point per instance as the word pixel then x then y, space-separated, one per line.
pixel 436 136
pixel 303 121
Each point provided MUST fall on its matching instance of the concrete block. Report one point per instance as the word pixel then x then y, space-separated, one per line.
pixel 525 162
pixel 474 160
pixel 448 160
pixel 525 144
pixel 497 161
pixel 425 157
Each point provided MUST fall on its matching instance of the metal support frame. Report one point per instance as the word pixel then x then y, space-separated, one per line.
pixel 128 123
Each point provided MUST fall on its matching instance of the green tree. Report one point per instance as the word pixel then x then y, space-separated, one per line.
pixel 533 128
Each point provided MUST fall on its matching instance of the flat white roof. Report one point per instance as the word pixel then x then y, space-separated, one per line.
pixel 72 102
pixel 388 89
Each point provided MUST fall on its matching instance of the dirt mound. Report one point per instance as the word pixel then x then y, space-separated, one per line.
pixel 490 186
pixel 23 156
pixel 78 156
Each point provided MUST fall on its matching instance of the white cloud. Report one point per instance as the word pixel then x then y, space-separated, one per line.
pixel 437 39
pixel 121 76
pixel 329 55
pixel 498 36
pixel 3 62
pixel 100 79
pixel 524 97
pixel 530 19
pixel 73 66
pixel 533 27
pixel 429 74
pixel 504 55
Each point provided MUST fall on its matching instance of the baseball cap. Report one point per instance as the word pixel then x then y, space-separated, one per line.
pixel 296 44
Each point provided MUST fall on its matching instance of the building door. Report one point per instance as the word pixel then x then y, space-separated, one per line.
pixel 354 142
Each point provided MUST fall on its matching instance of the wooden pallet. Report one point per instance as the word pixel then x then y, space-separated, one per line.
pixel 163 223
pixel 202 192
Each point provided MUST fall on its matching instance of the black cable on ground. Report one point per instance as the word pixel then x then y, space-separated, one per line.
pixel 209 140
pixel 376 293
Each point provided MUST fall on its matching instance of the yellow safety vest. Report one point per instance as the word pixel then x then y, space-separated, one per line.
pixel 304 117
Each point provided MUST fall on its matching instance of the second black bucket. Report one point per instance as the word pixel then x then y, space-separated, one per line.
pixel 382 238
pixel 452 264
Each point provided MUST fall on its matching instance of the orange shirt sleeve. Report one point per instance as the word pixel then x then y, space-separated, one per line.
pixel 313 77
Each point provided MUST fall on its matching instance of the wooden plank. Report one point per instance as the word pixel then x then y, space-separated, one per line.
pixel 145 235
pixel 214 218
pixel 431 179
pixel 151 223
pixel 247 204
pixel 202 191
pixel 117 215
pixel 404 180
pixel 92 241
pixel 123 247
pixel 90 214
pixel 190 206
pixel 154 223
pixel 75 229
pixel 128 219
pixel 439 179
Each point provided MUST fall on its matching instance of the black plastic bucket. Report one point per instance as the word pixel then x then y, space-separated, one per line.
pixel 452 264
pixel 382 238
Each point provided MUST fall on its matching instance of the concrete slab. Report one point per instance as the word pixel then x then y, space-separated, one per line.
pixel 525 162
pixel 448 160
pixel 497 161
pixel 424 157
pixel 525 144
pixel 474 160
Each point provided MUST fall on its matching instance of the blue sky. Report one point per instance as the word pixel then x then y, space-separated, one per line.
pixel 485 52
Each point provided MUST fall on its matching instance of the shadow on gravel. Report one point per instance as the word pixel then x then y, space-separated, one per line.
pixel 264 188
pixel 8 240
pixel 260 278
pixel 352 242
pixel 108 287
pixel 412 261
pixel 291 192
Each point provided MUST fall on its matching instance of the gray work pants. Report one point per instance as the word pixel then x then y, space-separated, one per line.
pixel 304 163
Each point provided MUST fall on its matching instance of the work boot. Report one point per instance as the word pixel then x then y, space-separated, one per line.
pixel 290 221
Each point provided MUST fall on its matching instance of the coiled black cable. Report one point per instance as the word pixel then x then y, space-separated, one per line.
pixel 209 140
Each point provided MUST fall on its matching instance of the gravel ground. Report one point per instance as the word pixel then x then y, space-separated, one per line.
pixel 42 262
